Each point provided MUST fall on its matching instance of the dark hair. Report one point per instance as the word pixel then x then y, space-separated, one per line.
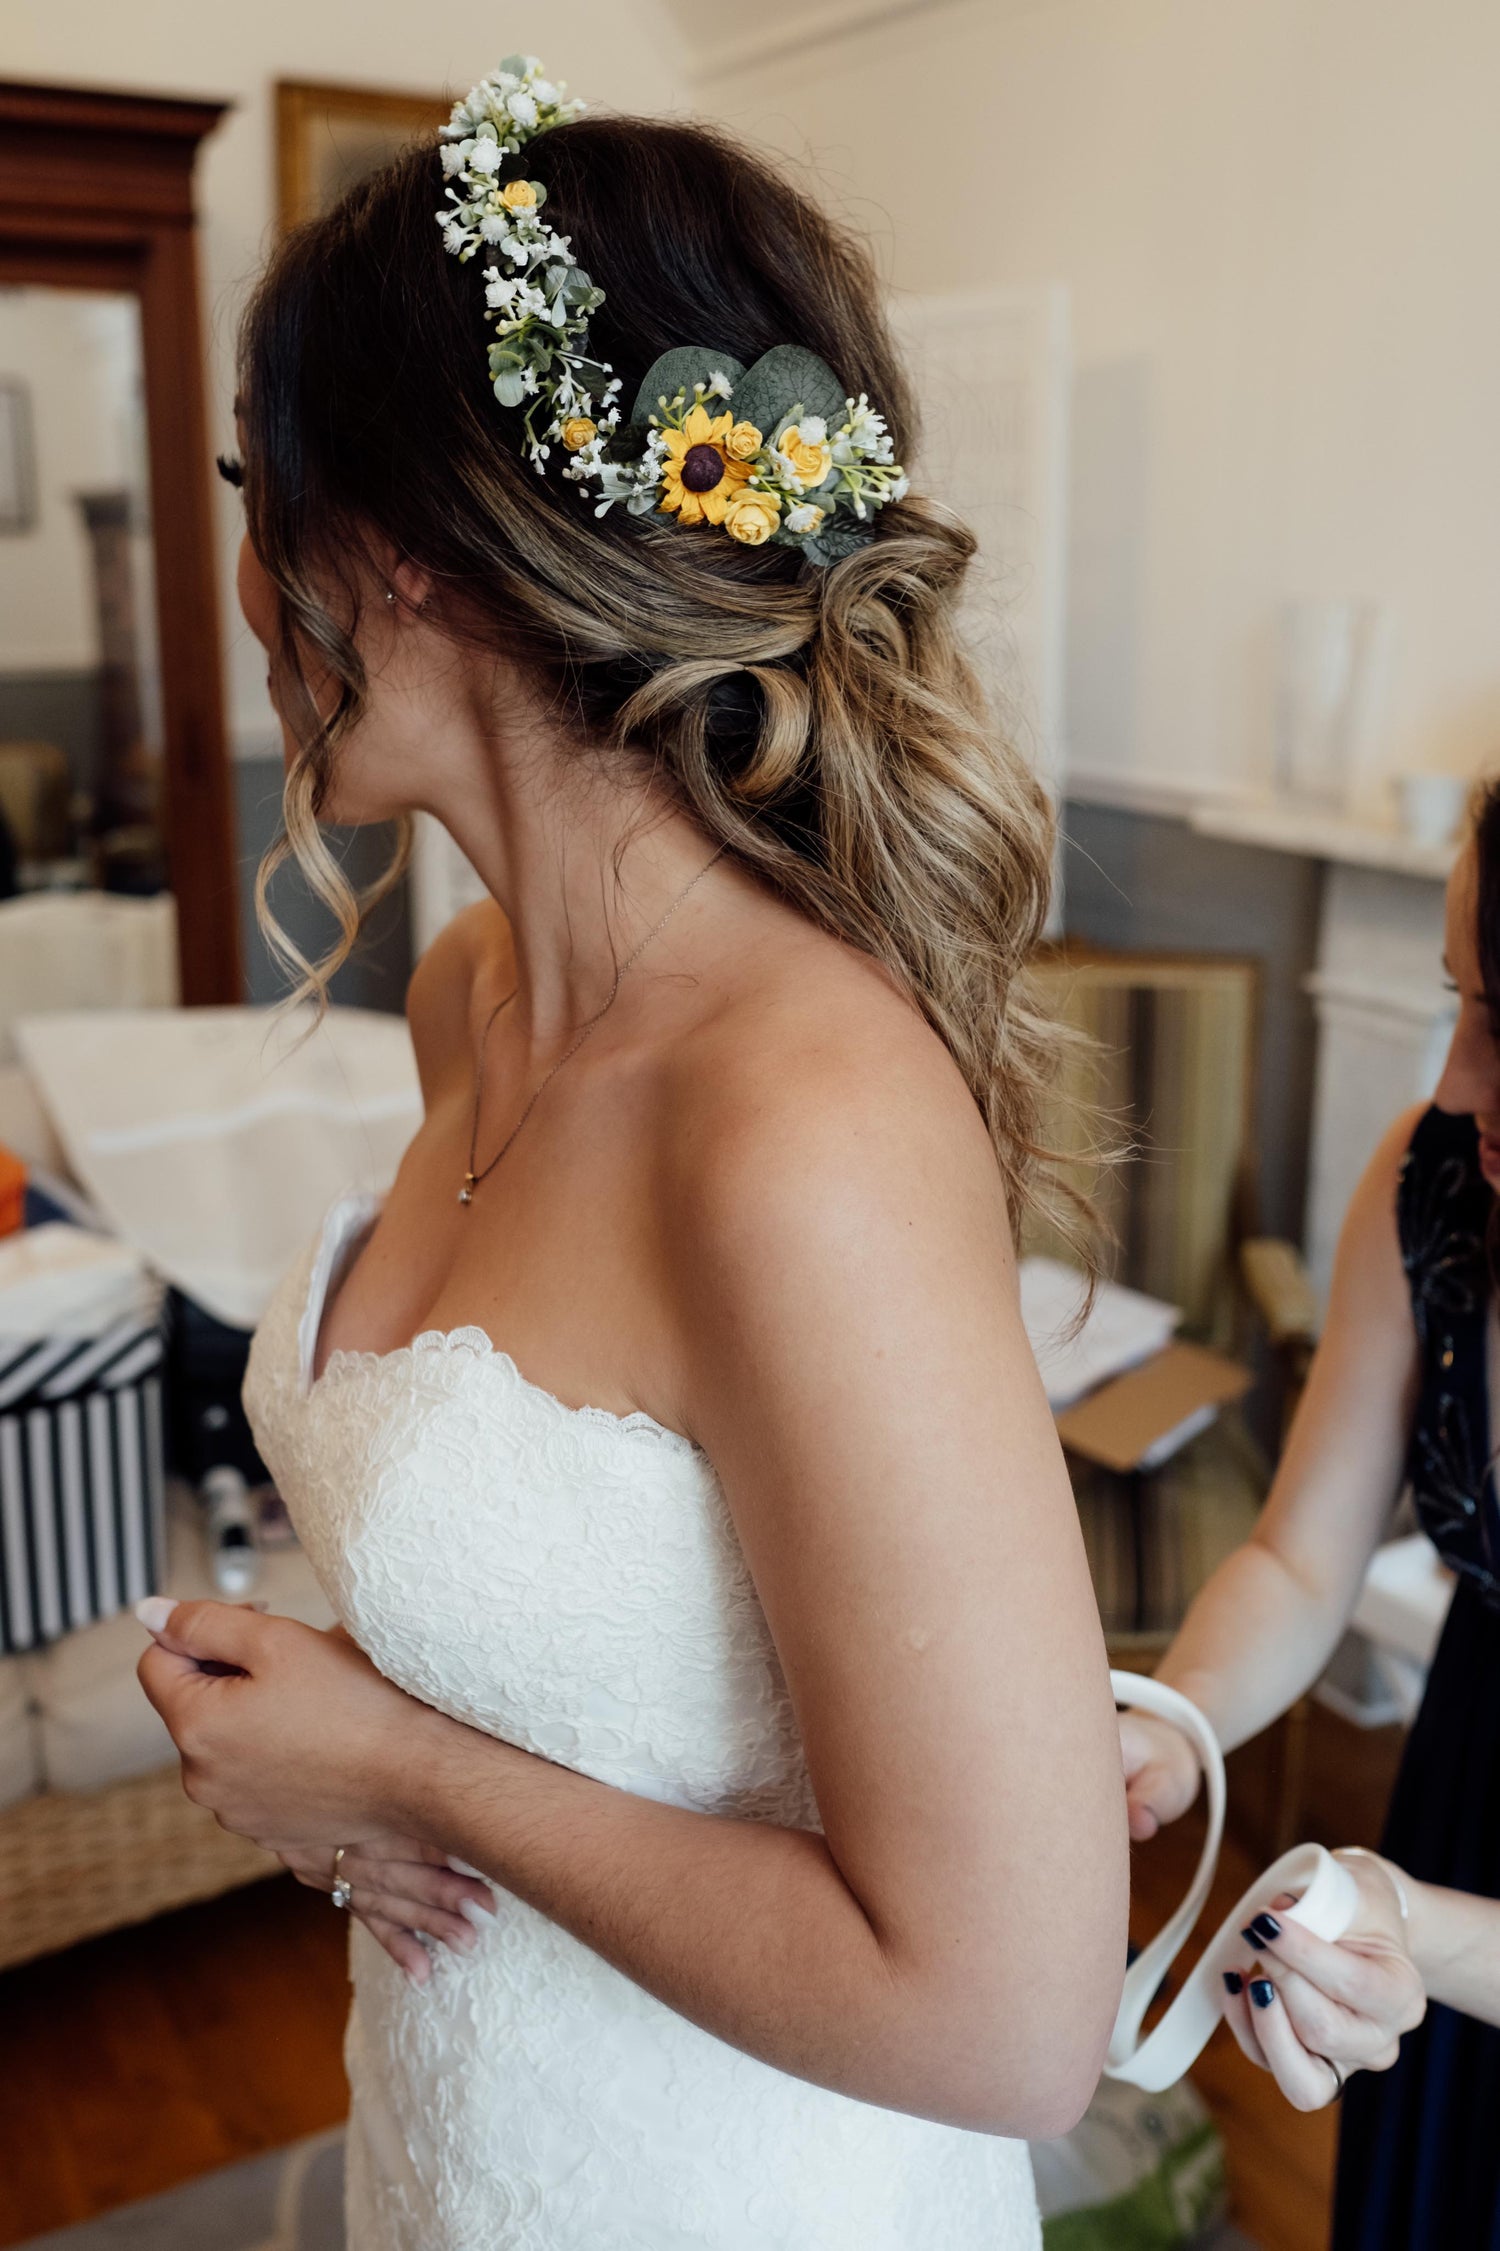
pixel 823 725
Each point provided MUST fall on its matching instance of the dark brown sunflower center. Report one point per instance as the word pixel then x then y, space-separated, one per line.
pixel 702 468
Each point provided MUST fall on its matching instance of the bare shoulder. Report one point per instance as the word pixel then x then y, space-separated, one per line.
pixel 1372 1209
pixel 475 945
pixel 1369 1283
pixel 817 1107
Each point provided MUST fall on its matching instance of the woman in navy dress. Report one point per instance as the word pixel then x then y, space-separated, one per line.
pixel 1406 2008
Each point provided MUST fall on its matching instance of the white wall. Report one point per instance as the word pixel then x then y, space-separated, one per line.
pixel 1276 219
pixel 621 53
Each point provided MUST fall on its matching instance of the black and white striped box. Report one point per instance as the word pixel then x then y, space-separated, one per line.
pixel 81 1479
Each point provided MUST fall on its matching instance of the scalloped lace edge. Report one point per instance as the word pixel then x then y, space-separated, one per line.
pixel 479 1344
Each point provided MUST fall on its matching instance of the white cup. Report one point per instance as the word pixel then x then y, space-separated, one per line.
pixel 1432 805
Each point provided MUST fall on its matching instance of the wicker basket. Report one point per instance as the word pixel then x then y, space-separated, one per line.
pixel 71 1867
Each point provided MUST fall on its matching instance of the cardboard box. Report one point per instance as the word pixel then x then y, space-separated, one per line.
pixel 1140 1420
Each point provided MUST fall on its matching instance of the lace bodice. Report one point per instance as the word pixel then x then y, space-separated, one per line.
pixel 569 1581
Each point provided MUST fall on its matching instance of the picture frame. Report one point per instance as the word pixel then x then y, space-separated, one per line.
pixel 18 480
pixel 330 136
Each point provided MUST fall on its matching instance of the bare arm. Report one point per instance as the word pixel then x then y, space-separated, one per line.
pixel 1265 1625
pixel 857 1370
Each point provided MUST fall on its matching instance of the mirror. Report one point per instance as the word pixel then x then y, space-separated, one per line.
pixel 117 875
pixel 80 691
pixel 82 837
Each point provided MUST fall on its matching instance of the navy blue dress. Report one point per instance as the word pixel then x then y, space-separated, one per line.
pixel 1419 2154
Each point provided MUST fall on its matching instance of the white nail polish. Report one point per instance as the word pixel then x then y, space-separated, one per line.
pixel 154 1612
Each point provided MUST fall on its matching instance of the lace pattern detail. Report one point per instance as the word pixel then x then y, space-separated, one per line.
pixel 569 1580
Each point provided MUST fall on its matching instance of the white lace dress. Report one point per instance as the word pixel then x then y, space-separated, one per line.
pixel 569 1580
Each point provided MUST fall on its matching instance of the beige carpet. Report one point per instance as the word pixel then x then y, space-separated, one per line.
pixel 291 2200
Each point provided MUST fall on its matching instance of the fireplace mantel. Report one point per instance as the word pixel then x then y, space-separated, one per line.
pixel 1383 1013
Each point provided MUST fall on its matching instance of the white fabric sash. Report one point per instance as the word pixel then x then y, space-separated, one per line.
pixel 1326 1901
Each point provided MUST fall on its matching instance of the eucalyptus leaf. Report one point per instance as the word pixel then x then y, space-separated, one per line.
pixel 678 370
pixel 788 376
pixel 516 65
pixel 833 541
pixel 510 386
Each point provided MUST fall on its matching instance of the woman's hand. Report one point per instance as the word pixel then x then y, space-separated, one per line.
pixel 292 1738
pixel 1161 1772
pixel 284 1733
pixel 1311 2011
pixel 405 1893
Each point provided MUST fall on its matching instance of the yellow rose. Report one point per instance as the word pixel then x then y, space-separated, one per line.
pixel 743 442
pixel 751 517
pixel 810 462
pixel 518 195
pixel 578 432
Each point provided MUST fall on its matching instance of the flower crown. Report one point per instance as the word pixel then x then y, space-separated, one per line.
pixel 772 452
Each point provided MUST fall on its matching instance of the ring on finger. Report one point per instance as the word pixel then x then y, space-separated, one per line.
pixel 1339 2080
pixel 343 1889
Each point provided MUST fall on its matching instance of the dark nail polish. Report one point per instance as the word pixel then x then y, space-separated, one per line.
pixel 1262 1992
pixel 1233 1982
pixel 1263 1930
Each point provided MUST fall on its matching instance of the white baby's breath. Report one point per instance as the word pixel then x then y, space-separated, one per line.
pixel 540 301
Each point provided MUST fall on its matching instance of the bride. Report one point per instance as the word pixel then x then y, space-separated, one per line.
pixel 717 1758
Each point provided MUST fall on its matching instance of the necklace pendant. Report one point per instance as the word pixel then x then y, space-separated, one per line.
pixel 466 1193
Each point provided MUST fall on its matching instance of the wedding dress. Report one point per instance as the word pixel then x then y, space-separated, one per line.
pixel 569 1580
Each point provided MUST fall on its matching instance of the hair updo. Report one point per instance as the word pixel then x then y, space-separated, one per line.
pixel 822 724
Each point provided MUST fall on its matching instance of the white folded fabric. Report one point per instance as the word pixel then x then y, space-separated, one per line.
pixel 213 1141
pixel 1124 1327
pixel 61 1281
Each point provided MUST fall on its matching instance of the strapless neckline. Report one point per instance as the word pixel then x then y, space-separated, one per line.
pixel 353 1215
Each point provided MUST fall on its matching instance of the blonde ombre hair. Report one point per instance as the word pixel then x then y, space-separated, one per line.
pixel 825 725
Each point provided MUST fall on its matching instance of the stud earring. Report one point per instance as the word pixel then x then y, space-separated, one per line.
pixel 390 594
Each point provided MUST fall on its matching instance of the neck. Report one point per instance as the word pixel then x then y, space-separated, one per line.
pixel 583 855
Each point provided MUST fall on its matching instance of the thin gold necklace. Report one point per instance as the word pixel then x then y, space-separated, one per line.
pixel 473 1178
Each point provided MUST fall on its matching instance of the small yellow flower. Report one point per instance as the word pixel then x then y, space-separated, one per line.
pixel 698 479
pixel 518 195
pixel 743 442
pixel 751 517
pixel 578 432
pixel 810 462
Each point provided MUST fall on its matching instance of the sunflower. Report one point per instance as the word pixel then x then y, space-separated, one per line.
pixel 698 477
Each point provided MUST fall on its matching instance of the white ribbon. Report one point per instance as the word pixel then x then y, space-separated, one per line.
pixel 1326 1901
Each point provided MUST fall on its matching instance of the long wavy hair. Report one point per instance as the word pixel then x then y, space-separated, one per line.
pixel 824 725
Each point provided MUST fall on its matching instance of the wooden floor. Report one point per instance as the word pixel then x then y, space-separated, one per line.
pixel 154 2054
pixel 140 2059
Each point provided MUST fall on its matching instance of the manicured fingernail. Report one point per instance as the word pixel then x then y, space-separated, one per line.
pixel 1262 1992
pixel 1233 1982
pixel 482 1907
pixel 154 1612
pixel 1262 1931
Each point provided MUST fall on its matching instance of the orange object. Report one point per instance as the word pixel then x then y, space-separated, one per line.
pixel 12 1191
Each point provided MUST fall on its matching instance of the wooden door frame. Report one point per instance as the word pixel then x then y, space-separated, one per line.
pixel 96 192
